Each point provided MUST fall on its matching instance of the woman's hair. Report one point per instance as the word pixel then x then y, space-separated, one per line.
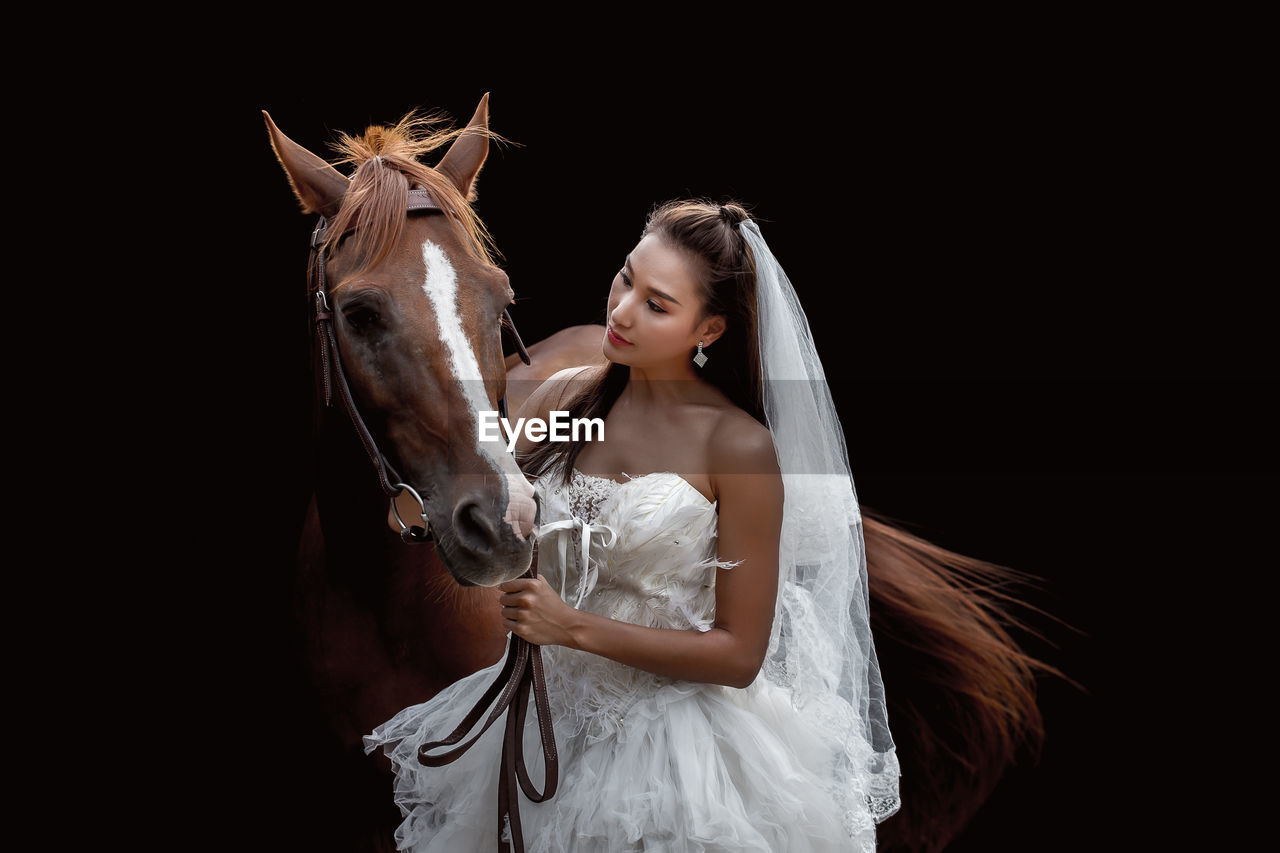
pixel 709 234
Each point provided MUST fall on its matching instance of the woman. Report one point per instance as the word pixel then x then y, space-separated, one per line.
pixel 702 599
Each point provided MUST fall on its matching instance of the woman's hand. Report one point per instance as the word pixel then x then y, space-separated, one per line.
pixel 534 611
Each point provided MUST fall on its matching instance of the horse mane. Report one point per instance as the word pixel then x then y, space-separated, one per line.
pixel 386 168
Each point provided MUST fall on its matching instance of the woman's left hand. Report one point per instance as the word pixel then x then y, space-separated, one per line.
pixel 534 611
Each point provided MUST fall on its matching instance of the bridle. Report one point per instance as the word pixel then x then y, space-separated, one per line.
pixel 522 670
pixel 331 365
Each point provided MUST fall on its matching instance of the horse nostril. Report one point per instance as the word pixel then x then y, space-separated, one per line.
pixel 473 527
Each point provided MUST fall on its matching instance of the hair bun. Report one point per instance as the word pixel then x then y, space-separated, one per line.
pixel 728 215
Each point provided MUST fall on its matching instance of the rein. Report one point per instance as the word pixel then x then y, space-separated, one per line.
pixel 331 364
pixel 523 666
pixel 522 670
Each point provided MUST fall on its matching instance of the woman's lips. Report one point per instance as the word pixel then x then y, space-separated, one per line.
pixel 615 337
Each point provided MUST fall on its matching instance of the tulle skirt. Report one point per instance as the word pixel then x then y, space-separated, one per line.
pixel 687 768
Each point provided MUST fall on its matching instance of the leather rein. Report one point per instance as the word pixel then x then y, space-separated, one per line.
pixel 522 671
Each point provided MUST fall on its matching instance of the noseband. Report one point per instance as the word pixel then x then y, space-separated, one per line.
pixel 331 366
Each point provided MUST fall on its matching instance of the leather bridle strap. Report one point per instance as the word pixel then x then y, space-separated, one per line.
pixel 331 364
pixel 523 667
pixel 329 345
pixel 522 670
pixel 422 200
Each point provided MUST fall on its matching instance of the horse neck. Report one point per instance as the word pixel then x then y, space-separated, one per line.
pixel 428 624
pixel 350 505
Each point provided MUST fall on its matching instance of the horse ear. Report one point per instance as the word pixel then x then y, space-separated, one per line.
pixel 462 162
pixel 318 186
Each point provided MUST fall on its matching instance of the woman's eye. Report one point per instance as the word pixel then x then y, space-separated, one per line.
pixel 653 306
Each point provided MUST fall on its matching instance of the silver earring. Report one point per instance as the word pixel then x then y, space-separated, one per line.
pixel 699 359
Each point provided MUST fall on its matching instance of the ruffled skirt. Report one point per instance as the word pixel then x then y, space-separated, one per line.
pixel 685 768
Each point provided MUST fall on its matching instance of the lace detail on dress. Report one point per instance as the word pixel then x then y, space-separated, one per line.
pixel 663 577
pixel 587 492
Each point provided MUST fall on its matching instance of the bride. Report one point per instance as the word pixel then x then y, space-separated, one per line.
pixel 701 600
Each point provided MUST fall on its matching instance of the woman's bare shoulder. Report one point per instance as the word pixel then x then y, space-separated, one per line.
pixel 741 445
pixel 745 477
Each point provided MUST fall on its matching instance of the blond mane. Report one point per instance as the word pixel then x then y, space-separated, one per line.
pixel 387 167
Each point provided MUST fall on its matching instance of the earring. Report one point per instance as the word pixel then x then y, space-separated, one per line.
pixel 699 359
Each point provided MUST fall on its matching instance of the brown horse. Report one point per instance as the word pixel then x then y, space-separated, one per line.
pixel 385 624
pixel 416 303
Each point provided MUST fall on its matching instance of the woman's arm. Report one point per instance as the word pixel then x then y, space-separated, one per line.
pixel 732 651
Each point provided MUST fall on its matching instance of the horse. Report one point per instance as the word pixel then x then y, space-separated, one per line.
pixel 385 621
pixel 417 306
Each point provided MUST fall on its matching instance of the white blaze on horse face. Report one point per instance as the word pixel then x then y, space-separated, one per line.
pixel 441 287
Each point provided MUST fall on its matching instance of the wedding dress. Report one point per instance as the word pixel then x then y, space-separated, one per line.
pixel 647 763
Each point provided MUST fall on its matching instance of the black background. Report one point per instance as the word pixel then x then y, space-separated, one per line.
pixel 1036 356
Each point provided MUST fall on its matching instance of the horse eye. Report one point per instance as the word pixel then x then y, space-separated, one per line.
pixel 361 318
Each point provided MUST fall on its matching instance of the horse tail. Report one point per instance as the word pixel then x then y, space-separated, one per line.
pixel 961 693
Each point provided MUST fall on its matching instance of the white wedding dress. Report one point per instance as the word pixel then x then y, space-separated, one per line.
pixel 647 763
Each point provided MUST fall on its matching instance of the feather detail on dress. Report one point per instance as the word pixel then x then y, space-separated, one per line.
pixel 646 762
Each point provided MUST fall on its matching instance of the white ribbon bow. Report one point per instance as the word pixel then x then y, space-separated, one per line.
pixel 588 574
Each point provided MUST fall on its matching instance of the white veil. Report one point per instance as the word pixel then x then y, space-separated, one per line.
pixel 821 647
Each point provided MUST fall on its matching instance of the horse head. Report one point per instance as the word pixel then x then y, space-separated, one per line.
pixel 416 304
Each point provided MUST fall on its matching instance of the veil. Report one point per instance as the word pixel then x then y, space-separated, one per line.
pixel 820 647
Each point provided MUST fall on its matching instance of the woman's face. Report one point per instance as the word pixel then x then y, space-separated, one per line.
pixel 655 307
